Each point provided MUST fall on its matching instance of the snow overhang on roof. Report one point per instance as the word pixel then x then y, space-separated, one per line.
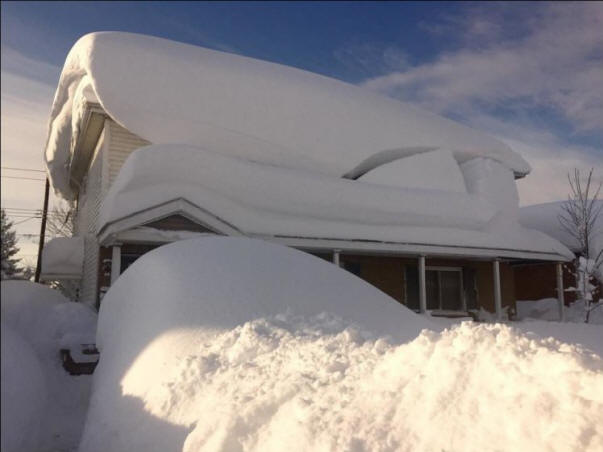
pixel 169 92
pixel 308 209
pixel 62 259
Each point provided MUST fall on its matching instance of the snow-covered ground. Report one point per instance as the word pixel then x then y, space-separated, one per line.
pixel 43 407
pixel 231 344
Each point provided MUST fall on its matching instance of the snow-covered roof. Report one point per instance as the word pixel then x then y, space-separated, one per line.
pixel 290 204
pixel 170 92
pixel 545 218
pixel 63 258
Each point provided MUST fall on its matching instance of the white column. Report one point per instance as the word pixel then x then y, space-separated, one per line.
pixel 497 293
pixel 336 260
pixel 560 297
pixel 422 287
pixel 115 263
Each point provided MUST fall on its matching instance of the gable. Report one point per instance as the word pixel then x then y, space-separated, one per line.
pixel 178 223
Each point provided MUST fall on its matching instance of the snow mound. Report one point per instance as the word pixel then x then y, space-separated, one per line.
pixel 316 383
pixel 47 322
pixel 44 317
pixel 243 107
pixel 23 393
pixel 230 344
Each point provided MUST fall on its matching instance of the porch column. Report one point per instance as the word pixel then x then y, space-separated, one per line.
pixel 422 287
pixel 560 297
pixel 336 260
pixel 497 293
pixel 115 262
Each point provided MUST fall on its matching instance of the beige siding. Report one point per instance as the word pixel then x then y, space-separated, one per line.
pixel 89 202
pixel 121 144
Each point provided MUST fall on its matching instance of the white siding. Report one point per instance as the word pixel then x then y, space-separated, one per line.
pixel 89 201
pixel 121 145
pixel 112 149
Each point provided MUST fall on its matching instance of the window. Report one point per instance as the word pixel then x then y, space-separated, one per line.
pixel 444 288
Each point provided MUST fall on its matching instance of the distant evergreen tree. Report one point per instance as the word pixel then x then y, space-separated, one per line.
pixel 9 270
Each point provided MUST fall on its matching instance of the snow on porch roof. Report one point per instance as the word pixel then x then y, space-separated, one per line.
pixel 170 92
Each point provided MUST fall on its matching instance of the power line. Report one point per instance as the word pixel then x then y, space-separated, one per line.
pixel 23 221
pixel 21 178
pixel 22 169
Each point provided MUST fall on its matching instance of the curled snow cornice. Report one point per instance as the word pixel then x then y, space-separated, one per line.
pixel 170 92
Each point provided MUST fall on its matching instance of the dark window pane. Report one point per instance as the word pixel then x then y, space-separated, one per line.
pixel 412 287
pixel 470 287
pixel 433 289
pixel 353 267
pixel 450 289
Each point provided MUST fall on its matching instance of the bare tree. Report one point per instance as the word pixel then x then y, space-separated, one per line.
pixel 61 223
pixel 579 218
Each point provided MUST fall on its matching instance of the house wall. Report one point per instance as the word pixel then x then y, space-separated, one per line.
pixel 86 225
pixel 121 144
pixel 539 280
pixel 388 273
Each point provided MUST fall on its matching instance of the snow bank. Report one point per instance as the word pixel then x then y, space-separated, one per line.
pixel 47 322
pixel 63 258
pixel 23 393
pixel 547 309
pixel 243 107
pixel 229 344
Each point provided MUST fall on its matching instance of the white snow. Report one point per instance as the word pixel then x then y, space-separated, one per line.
pixel 494 182
pixel 23 393
pixel 47 322
pixel 270 201
pixel 545 218
pixel 232 344
pixel 169 92
pixel 63 258
pixel 434 170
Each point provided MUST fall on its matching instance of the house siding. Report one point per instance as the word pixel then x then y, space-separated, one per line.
pixel 121 144
pixel 89 201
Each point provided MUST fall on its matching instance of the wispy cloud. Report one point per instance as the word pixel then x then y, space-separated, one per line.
pixel 26 96
pixel 519 80
pixel 558 64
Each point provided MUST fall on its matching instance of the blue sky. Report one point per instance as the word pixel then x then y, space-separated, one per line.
pixel 528 73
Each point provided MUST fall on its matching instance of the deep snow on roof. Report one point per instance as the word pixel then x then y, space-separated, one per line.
pixel 267 201
pixel 170 92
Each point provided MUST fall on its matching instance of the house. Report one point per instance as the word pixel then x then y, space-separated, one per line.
pixel 159 141
pixel 545 218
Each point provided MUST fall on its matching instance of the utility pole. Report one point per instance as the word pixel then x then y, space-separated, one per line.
pixel 42 232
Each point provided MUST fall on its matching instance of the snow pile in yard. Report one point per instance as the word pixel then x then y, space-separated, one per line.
pixel 23 393
pixel 170 92
pixel 548 309
pixel 45 320
pixel 229 344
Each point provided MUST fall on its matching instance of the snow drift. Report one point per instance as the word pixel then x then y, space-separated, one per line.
pixel 23 393
pixel 170 92
pixel 230 344
pixel 39 321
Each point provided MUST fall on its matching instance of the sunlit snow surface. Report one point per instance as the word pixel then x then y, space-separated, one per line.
pixel 223 344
